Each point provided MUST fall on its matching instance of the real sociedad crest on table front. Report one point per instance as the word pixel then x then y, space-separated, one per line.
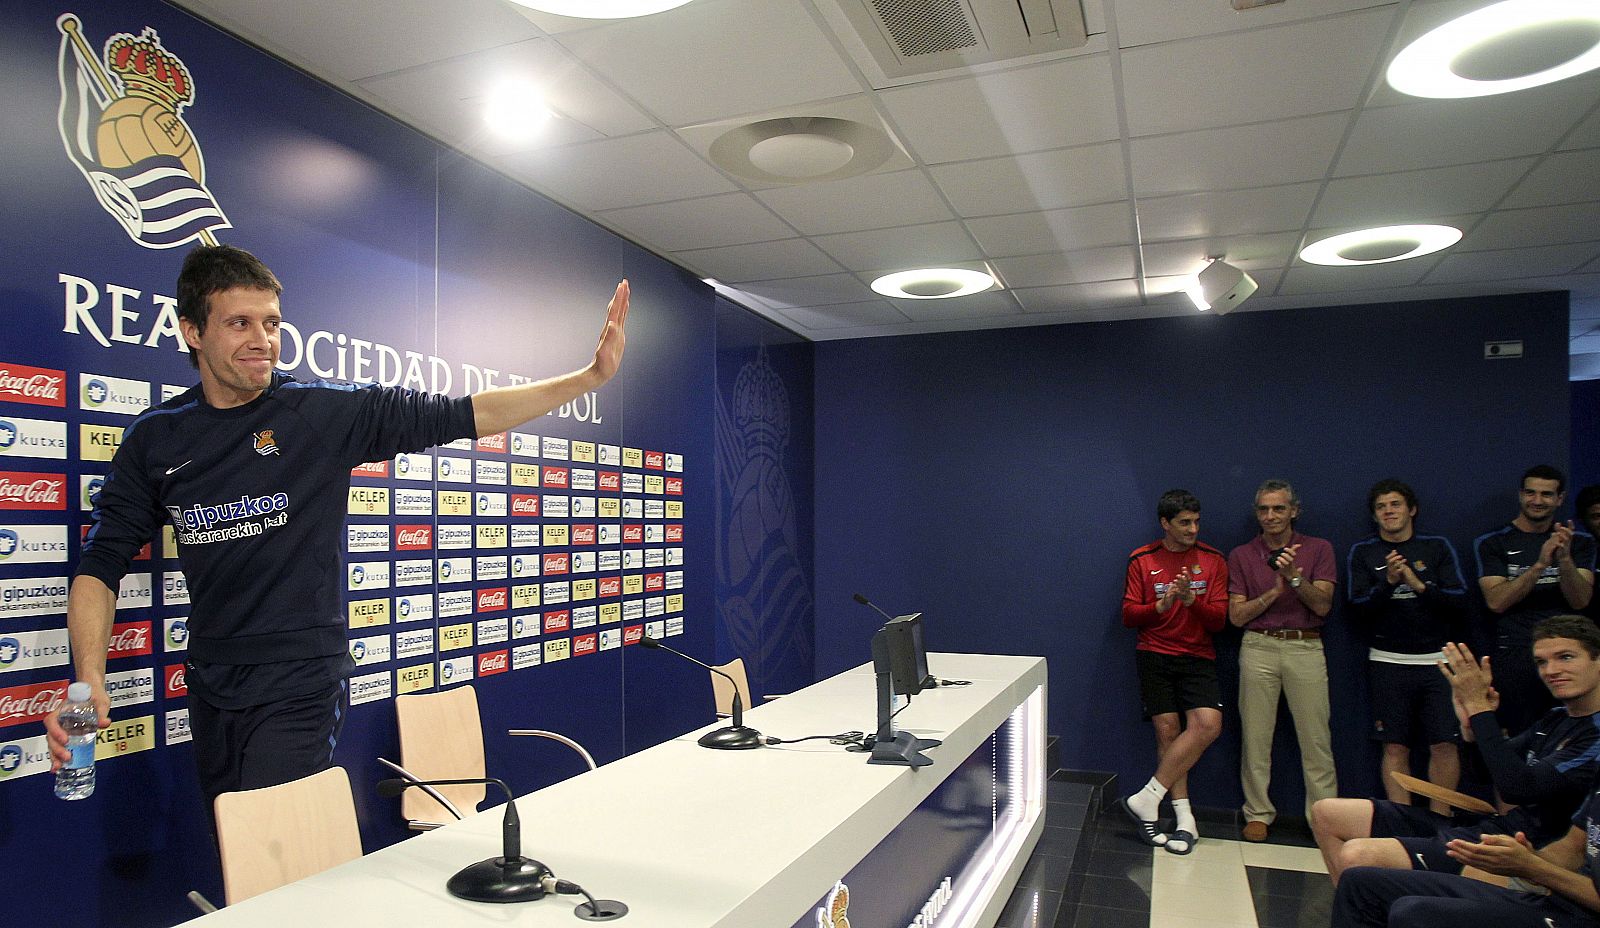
pixel 120 123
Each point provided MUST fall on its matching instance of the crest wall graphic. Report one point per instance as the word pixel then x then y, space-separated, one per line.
pixel 121 122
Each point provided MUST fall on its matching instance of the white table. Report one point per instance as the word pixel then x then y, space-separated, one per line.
pixel 695 838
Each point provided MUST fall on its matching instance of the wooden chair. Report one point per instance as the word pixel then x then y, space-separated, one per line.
pixel 280 834
pixel 441 738
pixel 722 691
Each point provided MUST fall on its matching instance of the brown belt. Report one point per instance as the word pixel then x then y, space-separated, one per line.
pixel 1289 634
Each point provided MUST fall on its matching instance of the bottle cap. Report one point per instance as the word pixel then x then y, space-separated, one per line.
pixel 78 692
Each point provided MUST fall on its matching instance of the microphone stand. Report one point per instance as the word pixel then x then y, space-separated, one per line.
pixel 507 878
pixel 735 737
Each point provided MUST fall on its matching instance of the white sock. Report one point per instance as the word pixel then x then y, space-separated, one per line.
pixel 1146 803
pixel 1180 808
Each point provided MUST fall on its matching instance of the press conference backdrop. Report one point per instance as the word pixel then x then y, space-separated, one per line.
pixel 526 562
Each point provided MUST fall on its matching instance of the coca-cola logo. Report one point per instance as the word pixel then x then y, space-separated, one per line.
pixel 129 639
pixel 493 662
pixel 610 480
pixel 675 486
pixel 585 644
pixel 555 476
pixel 653 582
pixel 633 534
pixel 32 491
pixel 611 586
pixel 674 533
pixel 555 563
pixel 37 385
pixel 377 469
pixel 495 442
pixel 632 634
pixel 177 683
pixel 557 621
pixel 654 460
pixel 413 537
pixel 491 599
pixel 20 704
pixel 524 505
pixel 583 534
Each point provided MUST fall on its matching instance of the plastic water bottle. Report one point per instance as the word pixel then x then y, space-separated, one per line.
pixel 75 779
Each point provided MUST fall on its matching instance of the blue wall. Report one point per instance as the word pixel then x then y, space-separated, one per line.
pixel 1585 433
pixel 997 480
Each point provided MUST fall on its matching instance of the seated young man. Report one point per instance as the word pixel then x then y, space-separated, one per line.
pixel 1375 897
pixel 1544 773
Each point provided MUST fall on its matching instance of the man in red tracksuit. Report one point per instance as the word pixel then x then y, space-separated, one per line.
pixel 1177 597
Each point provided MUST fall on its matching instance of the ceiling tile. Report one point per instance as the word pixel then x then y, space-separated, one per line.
pixel 1545 225
pixel 1292 70
pixel 1101 294
pixel 1054 105
pixel 987 305
pixel 1307 278
pixel 1565 177
pixel 897 249
pixel 1054 230
pixel 1586 135
pixel 1261 155
pixel 1151 21
pixel 611 174
pixel 1076 267
pixel 705 222
pixel 1443 132
pixel 1043 180
pixel 793 257
pixel 717 58
pixel 448 97
pixel 1236 212
pixel 842 315
pixel 1248 252
pixel 871 201
pixel 396 34
pixel 1417 196
pixel 822 290
pixel 1513 263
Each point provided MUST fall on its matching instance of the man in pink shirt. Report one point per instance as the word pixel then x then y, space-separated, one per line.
pixel 1280 588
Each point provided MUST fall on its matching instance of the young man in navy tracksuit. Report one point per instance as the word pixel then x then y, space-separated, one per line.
pixel 252 469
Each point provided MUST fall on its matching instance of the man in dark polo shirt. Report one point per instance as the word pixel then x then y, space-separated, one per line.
pixel 1530 569
pixel 1280 588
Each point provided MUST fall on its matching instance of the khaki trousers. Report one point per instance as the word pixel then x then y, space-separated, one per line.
pixel 1269 666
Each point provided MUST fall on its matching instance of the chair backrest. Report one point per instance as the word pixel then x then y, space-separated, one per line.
pixel 722 692
pixel 441 738
pixel 276 835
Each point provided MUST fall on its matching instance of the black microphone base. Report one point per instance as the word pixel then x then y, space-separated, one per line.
pixel 500 879
pixel 905 749
pixel 732 738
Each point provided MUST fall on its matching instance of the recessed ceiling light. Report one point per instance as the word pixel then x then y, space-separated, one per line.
pixel 1381 245
pixel 1507 46
pixel 932 283
pixel 515 110
pixel 601 9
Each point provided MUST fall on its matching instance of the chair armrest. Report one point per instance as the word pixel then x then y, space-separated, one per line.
pixel 1448 796
pixel 554 736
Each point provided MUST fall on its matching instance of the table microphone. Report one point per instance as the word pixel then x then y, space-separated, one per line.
pixel 867 602
pixel 507 878
pixel 735 737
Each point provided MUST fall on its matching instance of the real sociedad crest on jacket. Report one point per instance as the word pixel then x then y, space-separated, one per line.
pixel 120 122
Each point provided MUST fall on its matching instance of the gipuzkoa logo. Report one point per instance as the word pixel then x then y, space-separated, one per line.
pixel 120 122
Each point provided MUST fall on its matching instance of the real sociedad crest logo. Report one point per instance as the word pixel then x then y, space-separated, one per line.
pixel 120 123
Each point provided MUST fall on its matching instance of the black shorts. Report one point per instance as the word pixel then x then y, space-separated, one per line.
pixel 260 746
pixel 1171 683
pixel 1424 834
pixel 1411 701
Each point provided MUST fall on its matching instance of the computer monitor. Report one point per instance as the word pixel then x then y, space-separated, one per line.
pixel 897 650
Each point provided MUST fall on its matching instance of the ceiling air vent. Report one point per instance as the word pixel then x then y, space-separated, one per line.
pixel 908 37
